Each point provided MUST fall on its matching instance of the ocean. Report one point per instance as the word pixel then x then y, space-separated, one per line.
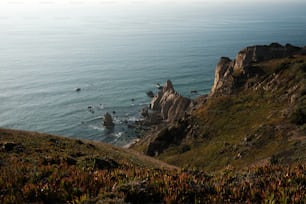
pixel 116 52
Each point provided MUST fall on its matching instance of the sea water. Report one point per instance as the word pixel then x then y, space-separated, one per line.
pixel 116 52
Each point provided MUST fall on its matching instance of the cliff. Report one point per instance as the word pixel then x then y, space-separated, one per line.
pixel 255 113
pixel 230 74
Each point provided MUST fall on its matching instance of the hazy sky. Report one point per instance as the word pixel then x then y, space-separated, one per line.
pixel 13 8
pixel 101 2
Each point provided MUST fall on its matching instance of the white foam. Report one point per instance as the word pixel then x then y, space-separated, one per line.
pixel 100 128
pixel 118 134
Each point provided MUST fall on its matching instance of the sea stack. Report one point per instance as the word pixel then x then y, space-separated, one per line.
pixel 108 121
pixel 170 104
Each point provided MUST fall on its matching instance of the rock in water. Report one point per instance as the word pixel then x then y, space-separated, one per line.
pixel 150 94
pixel 108 121
pixel 145 112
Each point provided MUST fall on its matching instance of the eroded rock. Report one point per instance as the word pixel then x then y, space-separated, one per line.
pixel 231 74
pixel 169 103
pixel 108 121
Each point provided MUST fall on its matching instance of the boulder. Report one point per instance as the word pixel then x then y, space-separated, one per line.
pixel 169 103
pixel 108 121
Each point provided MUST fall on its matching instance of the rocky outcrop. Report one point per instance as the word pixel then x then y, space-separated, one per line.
pixel 224 79
pixel 150 94
pixel 172 134
pixel 231 74
pixel 169 103
pixel 262 106
pixel 170 107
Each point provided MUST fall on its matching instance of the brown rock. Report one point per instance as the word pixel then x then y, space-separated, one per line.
pixel 230 74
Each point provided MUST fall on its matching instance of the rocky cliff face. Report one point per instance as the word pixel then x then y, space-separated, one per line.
pixel 169 103
pixel 256 111
pixel 167 112
pixel 230 74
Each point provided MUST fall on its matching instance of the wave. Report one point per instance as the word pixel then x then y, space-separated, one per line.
pixel 95 127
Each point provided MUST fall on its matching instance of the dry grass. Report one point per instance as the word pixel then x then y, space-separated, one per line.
pixel 40 168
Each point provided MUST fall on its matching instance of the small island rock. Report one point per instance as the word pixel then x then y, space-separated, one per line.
pixel 108 121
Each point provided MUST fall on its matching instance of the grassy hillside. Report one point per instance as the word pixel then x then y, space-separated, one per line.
pixel 40 168
pixel 263 122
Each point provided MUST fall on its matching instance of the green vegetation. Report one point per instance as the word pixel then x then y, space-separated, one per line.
pixel 38 168
pixel 264 119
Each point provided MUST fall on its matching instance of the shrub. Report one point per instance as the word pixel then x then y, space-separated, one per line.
pixel 184 148
pixel 303 67
pixel 298 117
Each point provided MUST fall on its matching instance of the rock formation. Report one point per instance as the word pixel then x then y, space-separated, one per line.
pixel 169 103
pixel 150 94
pixel 230 74
pixel 108 121
pixel 172 134
pixel 170 107
pixel 264 91
pixel 223 76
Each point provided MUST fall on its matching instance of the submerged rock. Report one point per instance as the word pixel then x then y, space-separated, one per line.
pixel 108 121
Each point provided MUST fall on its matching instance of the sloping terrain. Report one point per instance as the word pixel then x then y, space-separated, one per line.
pixel 47 168
pixel 41 168
pixel 252 117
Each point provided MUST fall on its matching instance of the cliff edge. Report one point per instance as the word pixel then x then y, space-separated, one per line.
pixel 230 75
pixel 254 114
